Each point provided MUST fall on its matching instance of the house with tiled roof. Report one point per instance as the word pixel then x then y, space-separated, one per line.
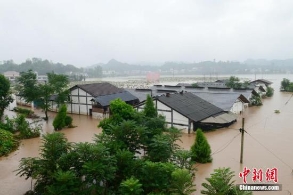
pixel 94 99
pixel 188 111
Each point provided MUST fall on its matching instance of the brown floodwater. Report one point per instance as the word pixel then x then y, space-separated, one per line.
pixel 267 144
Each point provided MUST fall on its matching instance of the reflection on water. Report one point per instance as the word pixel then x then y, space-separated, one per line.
pixel 267 144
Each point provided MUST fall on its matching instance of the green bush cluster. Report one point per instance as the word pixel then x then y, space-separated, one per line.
pixel 62 119
pixel 8 143
pixel 24 111
pixel 26 130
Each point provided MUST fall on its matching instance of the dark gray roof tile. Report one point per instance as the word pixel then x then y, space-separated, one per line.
pixel 190 106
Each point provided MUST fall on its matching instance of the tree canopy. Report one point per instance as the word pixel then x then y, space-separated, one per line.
pixel 31 90
pixel 220 182
pixel 201 150
pixel 134 154
pixel 5 95
pixel 286 85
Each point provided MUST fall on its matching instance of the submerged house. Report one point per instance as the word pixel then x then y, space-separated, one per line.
pixel 94 99
pixel 186 110
pixel 235 101
pixel 225 98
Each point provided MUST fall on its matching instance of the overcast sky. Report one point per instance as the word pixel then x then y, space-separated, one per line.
pixel 86 32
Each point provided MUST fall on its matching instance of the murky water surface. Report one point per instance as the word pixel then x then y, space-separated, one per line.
pixel 267 144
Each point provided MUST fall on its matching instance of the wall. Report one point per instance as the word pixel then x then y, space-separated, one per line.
pixel 80 102
pixel 177 117
pixel 237 107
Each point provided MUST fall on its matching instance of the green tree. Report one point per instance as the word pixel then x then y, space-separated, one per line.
pixel 160 149
pixel 110 165
pixel 5 95
pixel 233 82
pixel 44 98
pixel 182 158
pixel 149 108
pixel 131 186
pixel 255 100
pixel 245 84
pixel 182 182
pixel 285 83
pixel 194 85
pixel 270 91
pixel 31 90
pixel 220 183
pixel 43 169
pixel 201 150
pixel 119 111
pixel 65 183
pixel 99 170
pixel 155 176
pixel 27 86
pixel 59 121
pixel 127 134
pixel 59 84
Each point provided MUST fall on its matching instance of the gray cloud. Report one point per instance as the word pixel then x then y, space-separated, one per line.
pixel 86 32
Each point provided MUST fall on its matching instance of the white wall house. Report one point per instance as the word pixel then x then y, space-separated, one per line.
pixel 80 101
pixel 94 99
pixel 186 111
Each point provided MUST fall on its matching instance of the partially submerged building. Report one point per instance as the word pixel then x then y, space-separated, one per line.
pixel 94 99
pixel 186 110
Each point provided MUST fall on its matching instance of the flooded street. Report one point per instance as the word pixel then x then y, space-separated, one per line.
pixel 267 144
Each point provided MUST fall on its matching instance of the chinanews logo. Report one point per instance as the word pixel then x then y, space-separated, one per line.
pixel 267 179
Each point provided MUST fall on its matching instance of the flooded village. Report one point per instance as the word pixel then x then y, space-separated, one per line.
pixel 267 141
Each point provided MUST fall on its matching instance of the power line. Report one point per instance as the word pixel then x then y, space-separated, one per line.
pixel 270 151
pixel 226 145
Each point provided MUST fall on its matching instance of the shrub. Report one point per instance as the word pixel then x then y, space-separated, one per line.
pixel 270 91
pixel 23 111
pixel 255 100
pixel 68 121
pixel 8 125
pixel 201 150
pixel 7 142
pixel 59 120
pixel 26 130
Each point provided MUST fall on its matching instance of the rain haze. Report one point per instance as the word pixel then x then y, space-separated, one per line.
pixel 83 33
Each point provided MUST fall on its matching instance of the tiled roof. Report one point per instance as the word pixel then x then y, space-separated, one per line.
pixel 267 82
pixel 140 94
pixel 224 101
pixel 190 105
pixel 98 89
pixel 105 100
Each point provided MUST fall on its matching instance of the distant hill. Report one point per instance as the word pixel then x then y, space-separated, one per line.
pixel 116 68
pixel 39 65
pixel 204 67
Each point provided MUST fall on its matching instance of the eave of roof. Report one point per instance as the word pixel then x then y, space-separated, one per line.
pixel 190 106
pixel 125 96
pixel 98 89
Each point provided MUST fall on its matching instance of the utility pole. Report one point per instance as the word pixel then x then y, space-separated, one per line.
pixel 242 141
